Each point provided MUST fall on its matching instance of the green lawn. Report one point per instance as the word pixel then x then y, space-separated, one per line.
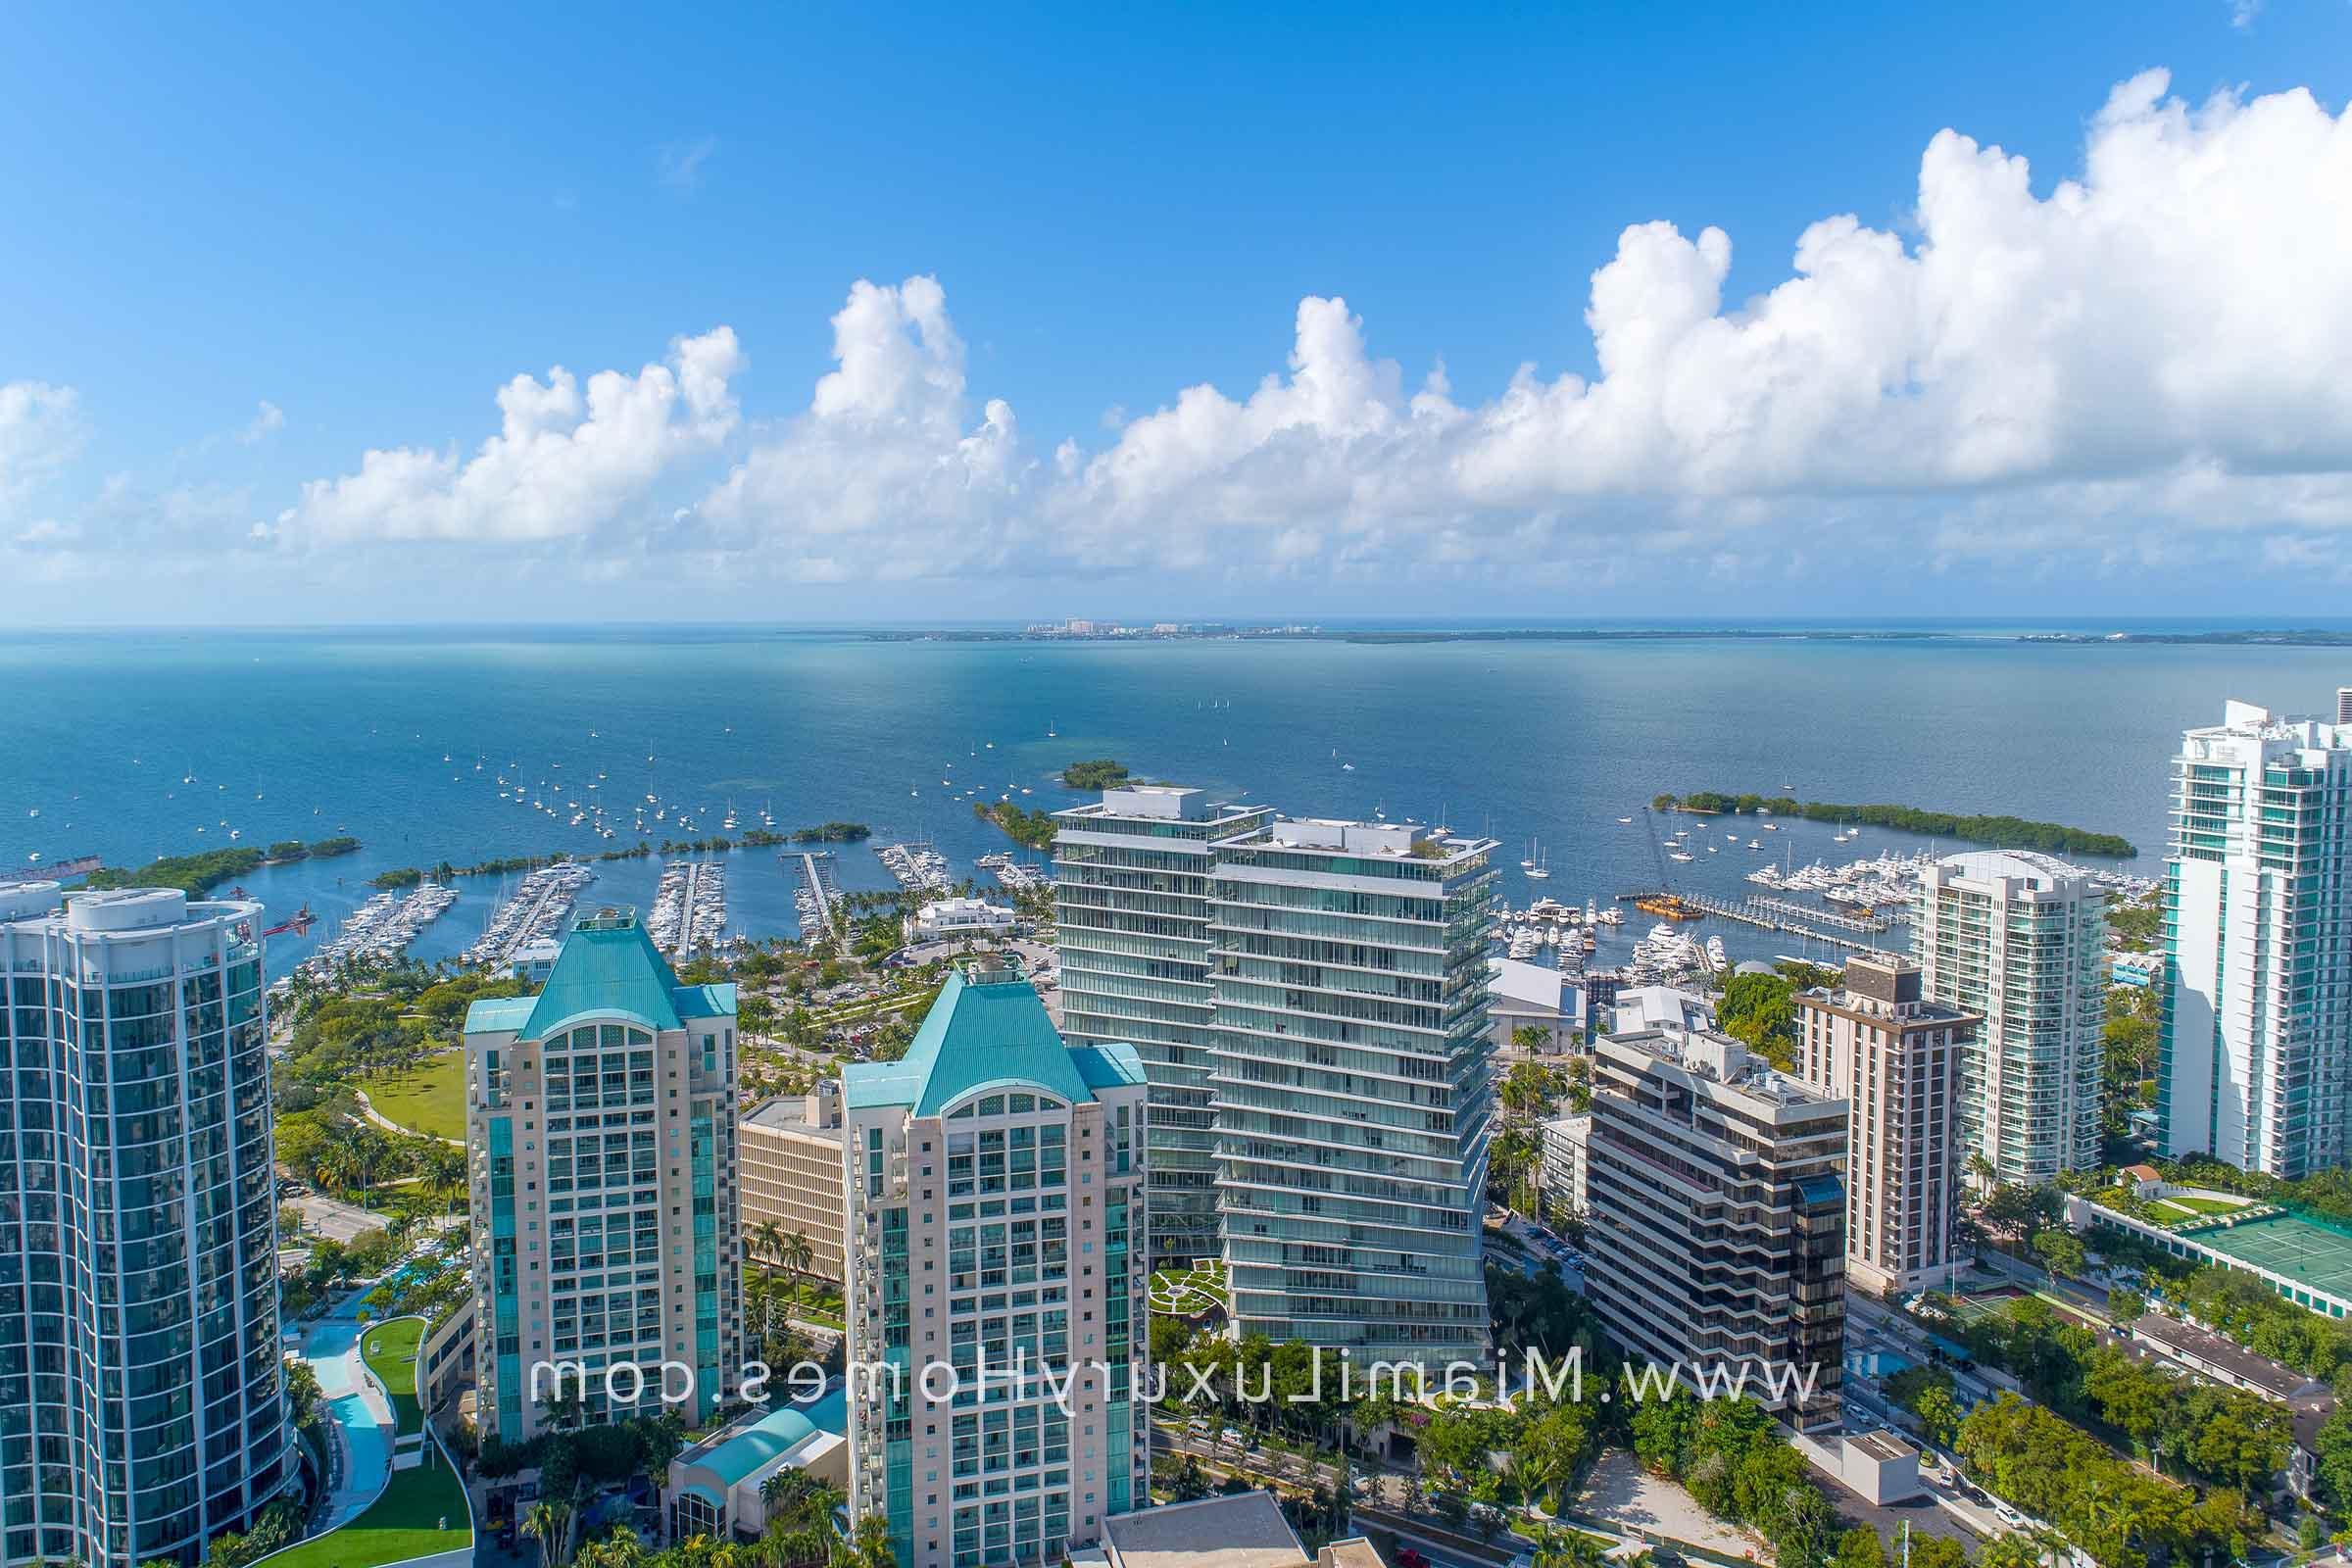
pixel 391 1355
pixel 2202 1206
pixel 400 1525
pixel 431 1100
pixel 405 1522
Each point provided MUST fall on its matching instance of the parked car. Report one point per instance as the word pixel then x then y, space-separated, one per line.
pixel 1407 1558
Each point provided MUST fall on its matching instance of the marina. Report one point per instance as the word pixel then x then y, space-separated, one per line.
pixel 535 911
pixel 690 907
pixel 382 928
pixel 917 866
pixel 1012 873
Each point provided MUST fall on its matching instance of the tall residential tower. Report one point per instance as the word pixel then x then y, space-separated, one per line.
pixel 1894 1058
pixel 2257 1044
pixel 2020 940
pixel 601 1135
pixel 1351 1083
pixel 142 1403
pixel 997 1212
pixel 1132 909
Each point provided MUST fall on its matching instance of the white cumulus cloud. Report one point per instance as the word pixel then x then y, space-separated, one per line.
pixel 40 430
pixel 2160 339
pixel 883 447
pixel 566 459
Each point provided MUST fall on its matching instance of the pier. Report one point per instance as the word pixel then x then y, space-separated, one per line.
pixel 817 892
pixel 690 909
pixel 1776 914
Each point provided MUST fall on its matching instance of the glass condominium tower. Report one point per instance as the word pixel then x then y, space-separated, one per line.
pixel 2257 1042
pixel 1132 909
pixel 142 1405
pixel 1351 1083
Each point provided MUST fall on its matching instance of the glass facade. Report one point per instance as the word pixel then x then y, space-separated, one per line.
pixel 2256 1050
pixel 142 1403
pixel 1350 1083
pixel 1132 912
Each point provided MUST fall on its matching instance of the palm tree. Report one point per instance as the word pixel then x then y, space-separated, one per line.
pixel 767 1237
pixel 869 1545
pixel 444 1169
pixel 549 1523
pixel 798 1254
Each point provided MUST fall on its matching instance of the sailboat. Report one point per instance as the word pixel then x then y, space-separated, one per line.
pixel 1542 867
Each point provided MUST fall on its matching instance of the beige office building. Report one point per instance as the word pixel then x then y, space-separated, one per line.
pixel 1894 1058
pixel 791 1176
pixel 601 1136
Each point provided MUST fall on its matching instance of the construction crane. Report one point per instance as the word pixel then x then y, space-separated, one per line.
pixel 298 922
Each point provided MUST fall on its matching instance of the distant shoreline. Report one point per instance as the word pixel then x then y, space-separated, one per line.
pixel 2308 638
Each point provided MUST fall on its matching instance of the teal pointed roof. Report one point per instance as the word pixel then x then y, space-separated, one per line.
pixel 608 965
pixel 989 1029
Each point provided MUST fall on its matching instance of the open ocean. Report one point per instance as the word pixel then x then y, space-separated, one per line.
pixel 305 734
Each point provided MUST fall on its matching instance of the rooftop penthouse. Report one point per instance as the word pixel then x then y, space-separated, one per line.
pixel 1172 803
pixel 2250 722
pixel 1338 838
pixel 1720 1066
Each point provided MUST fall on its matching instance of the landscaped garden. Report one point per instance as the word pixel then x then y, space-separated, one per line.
pixel 2171 1212
pixel 1190 1293
pixel 422 1512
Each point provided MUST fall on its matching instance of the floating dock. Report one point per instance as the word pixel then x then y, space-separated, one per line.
pixel 1770 915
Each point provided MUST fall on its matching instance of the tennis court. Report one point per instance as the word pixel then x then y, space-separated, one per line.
pixel 2313 1251
pixel 1977 1305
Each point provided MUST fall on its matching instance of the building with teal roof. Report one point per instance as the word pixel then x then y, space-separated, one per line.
pixel 601 1129
pixel 714 1486
pixel 996 1182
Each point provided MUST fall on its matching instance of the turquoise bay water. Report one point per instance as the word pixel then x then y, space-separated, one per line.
pixel 1542 741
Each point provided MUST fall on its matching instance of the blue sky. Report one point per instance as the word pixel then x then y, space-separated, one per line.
pixel 370 224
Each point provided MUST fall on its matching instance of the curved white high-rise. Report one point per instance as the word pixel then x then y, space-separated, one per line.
pixel 142 1407
pixel 2019 938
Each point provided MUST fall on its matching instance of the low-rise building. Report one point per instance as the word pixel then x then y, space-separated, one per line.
pixel 790 1176
pixel 1533 996
pixel 1246 1530
pixel 716 1487
pixel 947 920
pixel 1560 1177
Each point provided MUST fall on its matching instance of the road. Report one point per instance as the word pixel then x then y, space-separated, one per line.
pixel 332 1218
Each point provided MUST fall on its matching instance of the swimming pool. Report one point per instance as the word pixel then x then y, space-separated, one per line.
pixel 331 1348
pixel 1877 1365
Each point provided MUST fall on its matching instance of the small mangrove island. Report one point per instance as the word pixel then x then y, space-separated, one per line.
pixel 1102 773
pixel 198 874
pixel 1032 830
pixel 2002 832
